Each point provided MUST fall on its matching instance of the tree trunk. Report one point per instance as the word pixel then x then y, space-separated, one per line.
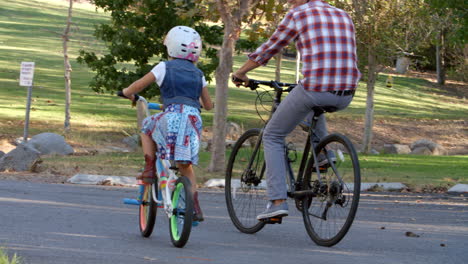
pixel 218 152
pixel 369 121
pixel 68 69
pixel 440 59
pixel 232 21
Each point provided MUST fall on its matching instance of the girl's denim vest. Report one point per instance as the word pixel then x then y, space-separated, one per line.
pixel 182 83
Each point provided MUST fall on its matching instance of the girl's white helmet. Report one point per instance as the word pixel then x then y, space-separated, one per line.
pixel 184 43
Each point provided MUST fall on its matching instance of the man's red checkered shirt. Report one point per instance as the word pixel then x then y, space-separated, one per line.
pixel 326 40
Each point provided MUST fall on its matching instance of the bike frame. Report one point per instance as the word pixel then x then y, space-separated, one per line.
pixel 312 141
pixel 164 168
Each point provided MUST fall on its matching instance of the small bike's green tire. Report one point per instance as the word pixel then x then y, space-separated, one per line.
pixel 180 223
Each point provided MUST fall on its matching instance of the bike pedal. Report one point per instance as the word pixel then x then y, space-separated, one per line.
pixel 272 220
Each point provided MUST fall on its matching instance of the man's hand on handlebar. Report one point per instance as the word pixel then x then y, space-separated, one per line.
pixel 240 79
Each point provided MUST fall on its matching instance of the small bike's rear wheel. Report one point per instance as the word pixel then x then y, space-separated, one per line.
pixel 148 210
pixel 329 213
pixel 180 223
pixel 245 198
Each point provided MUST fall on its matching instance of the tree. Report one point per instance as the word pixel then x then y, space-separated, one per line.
pixel 380 33
pixel 450 21
pixel 135 36
pixel 232 13
pixel 68 68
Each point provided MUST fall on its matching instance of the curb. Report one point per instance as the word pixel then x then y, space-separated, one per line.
pixel 90 179
pixel 219 183
pixel 388 186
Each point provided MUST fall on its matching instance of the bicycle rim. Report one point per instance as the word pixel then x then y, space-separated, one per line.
pixel 147 211
pixel 331 211
pixel 180 223
pixel 245 196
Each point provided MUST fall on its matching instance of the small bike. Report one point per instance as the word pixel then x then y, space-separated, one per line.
pixel 170 192
pixel 326 188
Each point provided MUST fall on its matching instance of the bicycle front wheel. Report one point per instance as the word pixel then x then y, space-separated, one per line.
pixel 330 211
pixel 148 210
pixel 180 223
pixel 245 196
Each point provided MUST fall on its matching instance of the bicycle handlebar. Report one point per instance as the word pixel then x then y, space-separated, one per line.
pixel 254 84
pixel 152 106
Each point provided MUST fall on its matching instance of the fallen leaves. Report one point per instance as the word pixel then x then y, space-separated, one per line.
pixel 411 234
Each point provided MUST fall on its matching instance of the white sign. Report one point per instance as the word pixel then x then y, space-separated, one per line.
pixel 27 73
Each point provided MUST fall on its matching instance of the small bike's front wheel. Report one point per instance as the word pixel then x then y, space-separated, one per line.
pixel 148 210
pixel 329 212
pixel 180 223
pixel 245 196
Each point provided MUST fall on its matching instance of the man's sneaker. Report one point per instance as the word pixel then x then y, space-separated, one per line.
pixel 274 211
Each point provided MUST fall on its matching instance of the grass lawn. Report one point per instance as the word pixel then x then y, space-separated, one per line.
pixel 28 32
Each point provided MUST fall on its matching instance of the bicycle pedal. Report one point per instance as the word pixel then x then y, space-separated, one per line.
pixel 272 220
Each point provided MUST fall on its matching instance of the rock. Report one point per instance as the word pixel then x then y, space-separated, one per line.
pixel 233 130
pixel 204 145
pixel 230 143
pixel 421 151
pixel 396 149
pixel 50 143
pixel 2 154
pixel 132 142
pixel 433 147
pixel 22 158
pixel 374 152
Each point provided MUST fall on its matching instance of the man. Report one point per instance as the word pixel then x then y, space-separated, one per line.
pixel 325 38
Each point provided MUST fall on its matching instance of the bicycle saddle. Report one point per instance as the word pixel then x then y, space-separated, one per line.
pixel 318 110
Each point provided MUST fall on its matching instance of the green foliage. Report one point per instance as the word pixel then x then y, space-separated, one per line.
pixel 4 259
pixel 459 16
pixel 134 39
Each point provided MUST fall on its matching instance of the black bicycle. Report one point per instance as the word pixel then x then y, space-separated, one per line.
pixel 326 192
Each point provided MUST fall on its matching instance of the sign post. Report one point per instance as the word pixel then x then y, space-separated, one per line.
pixel 26 79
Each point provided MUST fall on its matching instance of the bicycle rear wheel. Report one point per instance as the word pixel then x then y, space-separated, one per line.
pixel 148 210
pixel 180 223
pixel 245 198
pixel 332 208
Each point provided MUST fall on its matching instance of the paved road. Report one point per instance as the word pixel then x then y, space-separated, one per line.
pixel 52 223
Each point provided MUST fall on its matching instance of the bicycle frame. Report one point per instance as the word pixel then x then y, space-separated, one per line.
pixel 164 168
pixel 293 182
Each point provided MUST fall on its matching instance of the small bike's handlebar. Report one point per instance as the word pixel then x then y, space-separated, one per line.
pixel 254 84
pixel 152 106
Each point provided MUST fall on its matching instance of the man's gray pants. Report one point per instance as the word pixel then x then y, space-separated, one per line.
pixel 296 107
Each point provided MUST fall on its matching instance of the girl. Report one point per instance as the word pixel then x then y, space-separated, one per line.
pixel 175 133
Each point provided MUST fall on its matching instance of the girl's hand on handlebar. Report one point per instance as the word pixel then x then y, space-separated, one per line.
pixel 133 97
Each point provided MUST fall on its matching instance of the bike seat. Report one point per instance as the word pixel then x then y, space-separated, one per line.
pixel 318 110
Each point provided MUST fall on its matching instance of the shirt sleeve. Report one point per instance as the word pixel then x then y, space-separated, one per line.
pixel 159 71
pixel 284 34
pixel 204 81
